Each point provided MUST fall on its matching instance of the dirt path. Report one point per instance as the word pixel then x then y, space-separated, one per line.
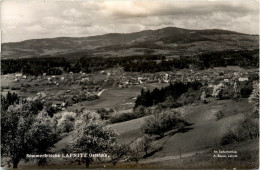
pixel 99 93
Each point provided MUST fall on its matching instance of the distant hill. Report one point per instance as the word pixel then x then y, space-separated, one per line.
pixel 166 41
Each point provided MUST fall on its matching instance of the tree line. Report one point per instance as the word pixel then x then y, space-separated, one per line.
pixel 60 64
pixel 148 63
pixel 241 58
pixel 150 98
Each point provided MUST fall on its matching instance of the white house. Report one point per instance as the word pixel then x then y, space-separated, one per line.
pixel 243 79
pixel 18 75
pixel 226 80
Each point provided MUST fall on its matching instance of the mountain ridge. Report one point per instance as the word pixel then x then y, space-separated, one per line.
pixel 164 41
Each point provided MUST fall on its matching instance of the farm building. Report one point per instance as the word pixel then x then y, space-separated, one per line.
pixel 18 75
pixel 243 79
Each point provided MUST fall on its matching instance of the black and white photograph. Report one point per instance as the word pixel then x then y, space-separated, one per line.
pixel 122 84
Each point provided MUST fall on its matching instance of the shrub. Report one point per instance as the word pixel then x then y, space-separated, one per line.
pixel 37 105
pixel 190 97
pixel 68 124
pixel 140 111
pixel 169 103
pixel 160 123
pixel 228 138
pixel 50 109
pixel 123 117
pixel 104 113
pixel 245 92
pixel 246 89
pixel 23 89
pixel 248 128
pixel 219 115
pixel 15 88
pixel 5 87
pixel 218 91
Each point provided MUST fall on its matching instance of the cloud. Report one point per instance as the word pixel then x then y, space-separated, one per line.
pixel 176 8
pixel 22 20
pixel 72 13
pixel 37 28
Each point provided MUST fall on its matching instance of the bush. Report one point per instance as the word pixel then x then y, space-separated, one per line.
pixel 123 117
pixel 218 91
pixel 160 123
pixel 15 88
pixel 245 92
pixel 50 109
pixel 190 97
pixel 5 87
pixel 246 89
pixel 92 97
pixel 138 112
pixel 169 103
pixel 228 138
pixel 219 115
pixel 67 124
pixel 142 111
pixel 105 113
pixel 248 128
pixel 23 89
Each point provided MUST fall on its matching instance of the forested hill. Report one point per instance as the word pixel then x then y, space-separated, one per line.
pixel 169 41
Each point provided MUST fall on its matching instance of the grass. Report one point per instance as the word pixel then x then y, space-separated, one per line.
pixel 247 158
pixel 247 153
pixel 204 122
pixel 114 98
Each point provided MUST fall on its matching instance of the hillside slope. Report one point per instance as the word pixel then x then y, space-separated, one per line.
pixel 165 41
pixel 204 133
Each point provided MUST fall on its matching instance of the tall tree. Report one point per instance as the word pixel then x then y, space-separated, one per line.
pixel 23 132
pixel 9 99
pixel 91 136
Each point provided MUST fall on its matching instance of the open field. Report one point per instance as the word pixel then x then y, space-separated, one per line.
pixel 115 98
pixel 248 156
pixel 204 133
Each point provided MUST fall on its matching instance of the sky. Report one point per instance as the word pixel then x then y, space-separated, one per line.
pixel 22 20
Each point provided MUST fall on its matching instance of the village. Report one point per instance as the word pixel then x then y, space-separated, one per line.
pixel 71 88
